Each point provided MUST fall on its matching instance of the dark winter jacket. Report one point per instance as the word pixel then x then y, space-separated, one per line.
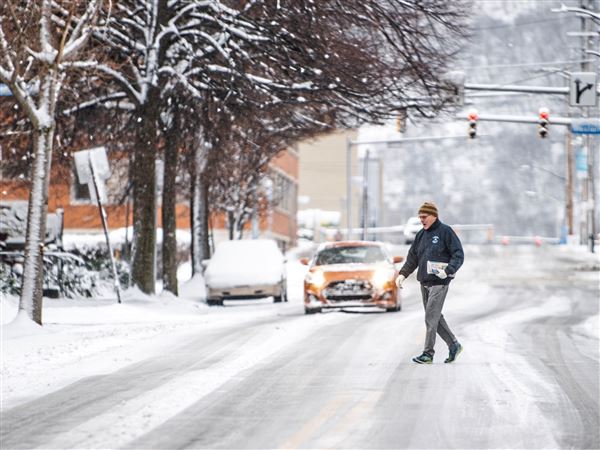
pixel 440 244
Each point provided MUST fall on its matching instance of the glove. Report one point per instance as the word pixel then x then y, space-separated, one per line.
pixel 399 280
pixel 442 274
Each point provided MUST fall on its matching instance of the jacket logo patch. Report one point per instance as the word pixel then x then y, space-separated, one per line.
pixel 435 240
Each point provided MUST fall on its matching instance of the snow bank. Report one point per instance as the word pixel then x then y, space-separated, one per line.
pixel 8 308
pixel 591 327
pixel 21 325
pixel 87 337
pixel 194 288
pixel 117 237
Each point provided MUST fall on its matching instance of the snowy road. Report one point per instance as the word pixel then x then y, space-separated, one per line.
pixel 271 377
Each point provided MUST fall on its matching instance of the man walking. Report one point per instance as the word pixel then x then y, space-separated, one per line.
pixel 438 254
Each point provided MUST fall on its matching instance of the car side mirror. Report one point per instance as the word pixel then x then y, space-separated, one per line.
pixel 304 261
pixel 398 259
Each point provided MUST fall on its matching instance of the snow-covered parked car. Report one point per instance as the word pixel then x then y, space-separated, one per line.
pixel 247 268
pixel 412 227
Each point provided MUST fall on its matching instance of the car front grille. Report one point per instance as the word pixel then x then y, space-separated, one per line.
pixel 348 290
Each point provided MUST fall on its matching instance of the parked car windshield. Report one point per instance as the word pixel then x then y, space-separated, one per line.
pixel 414 221
pixel 351 254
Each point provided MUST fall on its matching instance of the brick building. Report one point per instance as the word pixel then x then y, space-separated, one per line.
pixel 81 216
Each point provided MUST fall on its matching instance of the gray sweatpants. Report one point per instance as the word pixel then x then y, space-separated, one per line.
pixel 433 302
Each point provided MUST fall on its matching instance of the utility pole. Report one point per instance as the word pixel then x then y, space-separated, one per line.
pixel 569 187
pixel 390 143
pixel 348 188
pixel 589 200
pixel 365 219
pixel 583 93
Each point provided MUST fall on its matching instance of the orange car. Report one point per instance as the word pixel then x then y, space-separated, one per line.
pixel 351 273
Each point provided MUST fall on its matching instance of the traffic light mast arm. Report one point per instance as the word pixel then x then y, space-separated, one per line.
pixel 407 140
pixel 515 88
pixel 519 119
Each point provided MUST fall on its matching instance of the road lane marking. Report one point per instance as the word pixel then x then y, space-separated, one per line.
pixel 310 427
pixel 360 414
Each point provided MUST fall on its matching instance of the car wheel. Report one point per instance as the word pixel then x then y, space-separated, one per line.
pixel 282 297
pixel 214 302
pixel 396 308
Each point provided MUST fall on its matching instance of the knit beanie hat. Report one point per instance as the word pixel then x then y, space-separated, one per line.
pixel 428 208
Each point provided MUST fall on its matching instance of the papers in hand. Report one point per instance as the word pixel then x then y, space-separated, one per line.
pixel 434 267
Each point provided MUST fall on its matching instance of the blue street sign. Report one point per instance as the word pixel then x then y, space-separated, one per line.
pixel 580 161
pixel 586 126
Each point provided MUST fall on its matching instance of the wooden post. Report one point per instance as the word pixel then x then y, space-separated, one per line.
pixel 569 193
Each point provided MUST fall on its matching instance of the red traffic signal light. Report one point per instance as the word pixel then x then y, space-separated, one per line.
pixel 544 118
pixel 472 123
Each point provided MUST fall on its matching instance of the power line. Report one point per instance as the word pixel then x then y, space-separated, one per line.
pixel 520 24
pixel 533 64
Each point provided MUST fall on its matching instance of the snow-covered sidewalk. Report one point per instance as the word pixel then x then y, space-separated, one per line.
pixel 94 336
pixel 83 338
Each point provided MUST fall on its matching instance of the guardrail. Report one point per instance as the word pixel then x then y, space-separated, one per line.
pixel 536 240
pixel 488 228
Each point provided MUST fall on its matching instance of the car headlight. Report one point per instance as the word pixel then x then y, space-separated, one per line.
pixel 316 278
pixel 381 277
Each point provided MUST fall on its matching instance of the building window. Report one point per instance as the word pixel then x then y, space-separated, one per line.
pixel 284 192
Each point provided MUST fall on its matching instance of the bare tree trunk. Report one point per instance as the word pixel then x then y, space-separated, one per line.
pixel 241 232
pixel 195 269
pixel 205 213
pixel 21 69
pixel 169 200
pixel 230 224
pixel 33 268
pixel 143 268
pixel 240 226
pixel 201 247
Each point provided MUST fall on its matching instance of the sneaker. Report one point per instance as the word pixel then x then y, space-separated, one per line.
pixel 455 350
pixel 425 358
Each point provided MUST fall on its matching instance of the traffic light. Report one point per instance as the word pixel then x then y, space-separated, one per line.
pixel 455 82
pixel 473 123
pixel 401 121
pixel 543 122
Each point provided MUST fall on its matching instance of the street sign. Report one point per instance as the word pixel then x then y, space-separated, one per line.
pixel 589 125
pixel 581 161
pixel 583 89
pixel 90 163
pixel 93 168
pixel 456 79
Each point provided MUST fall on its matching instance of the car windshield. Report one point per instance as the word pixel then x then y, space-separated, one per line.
pixel 350 254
